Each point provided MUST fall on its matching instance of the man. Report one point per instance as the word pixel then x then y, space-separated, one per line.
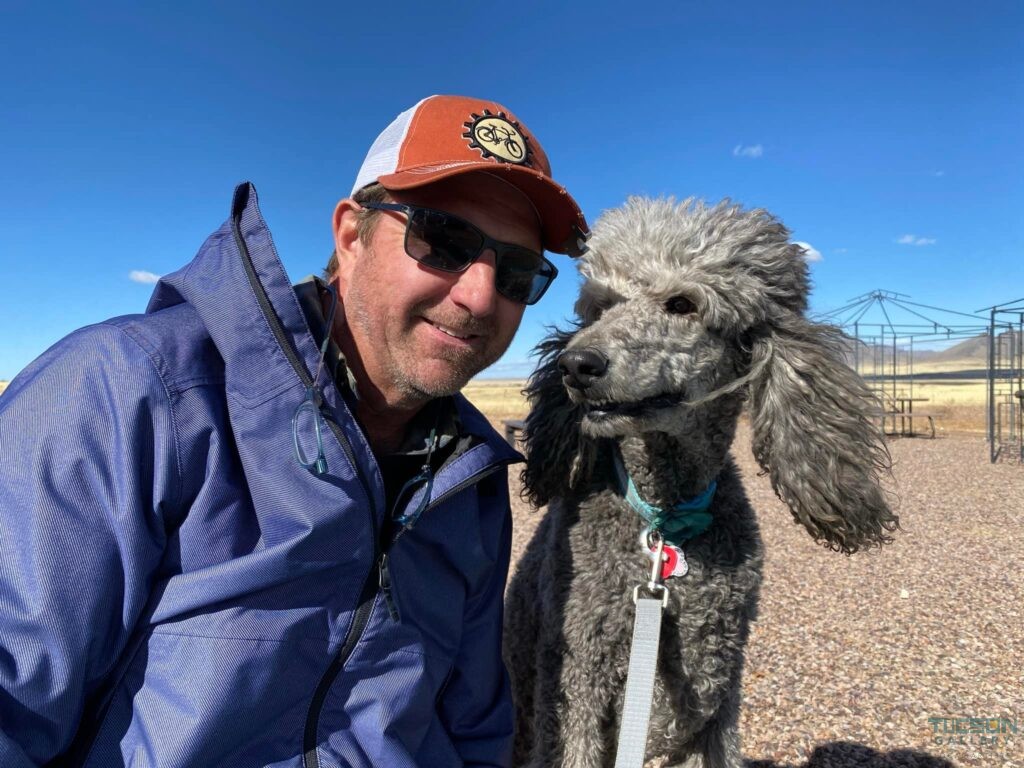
pixel 257 526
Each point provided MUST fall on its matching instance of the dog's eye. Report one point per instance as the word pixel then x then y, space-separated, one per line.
pixel 680 305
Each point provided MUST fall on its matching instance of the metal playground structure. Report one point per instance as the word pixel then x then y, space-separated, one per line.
pixel 887 330
pixel 1005 398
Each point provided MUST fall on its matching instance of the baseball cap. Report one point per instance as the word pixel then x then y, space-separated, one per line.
pixel 443 136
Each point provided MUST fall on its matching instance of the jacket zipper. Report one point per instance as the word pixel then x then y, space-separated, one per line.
pixel 310 759
pixel 384 574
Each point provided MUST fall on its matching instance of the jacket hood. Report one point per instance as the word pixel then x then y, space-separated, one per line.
pixel 233 282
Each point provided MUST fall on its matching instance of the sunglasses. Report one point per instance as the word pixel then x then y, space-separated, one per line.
pixel 442 241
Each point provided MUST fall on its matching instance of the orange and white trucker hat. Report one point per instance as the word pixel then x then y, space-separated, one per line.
pixel 444 136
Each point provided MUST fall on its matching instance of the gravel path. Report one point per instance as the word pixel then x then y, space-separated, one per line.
pixel 868 660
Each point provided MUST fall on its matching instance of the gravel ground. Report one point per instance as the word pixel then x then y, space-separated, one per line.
pixel 867 660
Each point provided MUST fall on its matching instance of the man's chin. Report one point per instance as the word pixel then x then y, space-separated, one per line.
pixel 436 378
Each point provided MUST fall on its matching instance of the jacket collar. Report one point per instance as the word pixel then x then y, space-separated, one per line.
pixel 234 308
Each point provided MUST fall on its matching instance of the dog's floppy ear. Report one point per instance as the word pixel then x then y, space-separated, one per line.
pixel 815 436
pixel 557 454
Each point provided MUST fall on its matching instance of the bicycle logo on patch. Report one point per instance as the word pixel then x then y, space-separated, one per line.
pixel 498 137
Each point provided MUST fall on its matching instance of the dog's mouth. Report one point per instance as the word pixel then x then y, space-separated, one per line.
pixel 609 408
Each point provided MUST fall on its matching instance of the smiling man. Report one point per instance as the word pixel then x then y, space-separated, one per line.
pixel 438 327
pixel 258 525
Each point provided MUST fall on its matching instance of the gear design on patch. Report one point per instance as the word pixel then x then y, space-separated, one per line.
pixel 499 137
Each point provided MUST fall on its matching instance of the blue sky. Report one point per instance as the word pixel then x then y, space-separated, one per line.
pixel 885 135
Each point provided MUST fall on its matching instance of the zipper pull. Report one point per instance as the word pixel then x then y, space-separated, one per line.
pixel 385 587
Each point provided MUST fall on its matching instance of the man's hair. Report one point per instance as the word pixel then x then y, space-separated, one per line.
pixel 366 220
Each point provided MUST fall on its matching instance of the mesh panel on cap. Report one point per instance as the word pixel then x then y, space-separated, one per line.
pixel 382 158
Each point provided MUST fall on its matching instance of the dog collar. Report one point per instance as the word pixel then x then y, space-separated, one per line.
pixel 677 524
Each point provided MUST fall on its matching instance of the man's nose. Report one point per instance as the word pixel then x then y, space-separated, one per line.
pixel 474 288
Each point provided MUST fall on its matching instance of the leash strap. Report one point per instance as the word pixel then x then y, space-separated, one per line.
pixel 643 662
pixel 643 659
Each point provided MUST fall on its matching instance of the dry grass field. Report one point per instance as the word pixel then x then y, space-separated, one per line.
pixel 958 405
pixel 497 398
pixel 880 660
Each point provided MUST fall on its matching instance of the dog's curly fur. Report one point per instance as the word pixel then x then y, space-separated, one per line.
pixel 703 303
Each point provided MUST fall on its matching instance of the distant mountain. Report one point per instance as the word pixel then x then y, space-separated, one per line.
pixel 971 352
pixel 977 348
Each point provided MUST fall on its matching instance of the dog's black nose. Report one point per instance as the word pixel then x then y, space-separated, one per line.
pixel 582 366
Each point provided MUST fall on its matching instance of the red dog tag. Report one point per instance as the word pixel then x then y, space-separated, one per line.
pixel 673 562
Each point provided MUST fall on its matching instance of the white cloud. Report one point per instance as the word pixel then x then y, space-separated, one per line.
pixel 915 240
pixel 755 150
pixel 141 276
pixel 810 252
pixel 840 250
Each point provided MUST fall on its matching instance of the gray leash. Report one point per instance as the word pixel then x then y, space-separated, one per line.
pixel 643 661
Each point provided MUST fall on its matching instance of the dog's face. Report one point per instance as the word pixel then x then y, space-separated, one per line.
pixel 671 297
pixel 684 310
pixel 641 360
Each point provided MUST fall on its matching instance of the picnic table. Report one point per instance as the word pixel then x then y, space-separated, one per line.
pixel 901 411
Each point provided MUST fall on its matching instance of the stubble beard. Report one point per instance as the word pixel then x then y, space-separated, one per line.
pixel 402 365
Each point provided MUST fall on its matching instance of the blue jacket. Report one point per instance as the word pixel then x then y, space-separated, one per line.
pixel 175 590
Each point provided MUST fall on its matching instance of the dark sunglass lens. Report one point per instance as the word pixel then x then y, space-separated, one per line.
pixel 441 241
pixel 522 275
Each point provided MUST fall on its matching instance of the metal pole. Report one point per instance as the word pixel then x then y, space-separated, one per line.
pixel 910 366
pixel 991 415
pixel 856 348
pixel 1020 386
pixel 880 367
pixel 875 350
pixel 894 365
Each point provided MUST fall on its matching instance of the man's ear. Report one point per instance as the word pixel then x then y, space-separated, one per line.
pixel 346 235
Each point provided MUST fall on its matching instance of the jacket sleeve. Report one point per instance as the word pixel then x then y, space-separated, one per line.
pixel 477 703
pixel 88 477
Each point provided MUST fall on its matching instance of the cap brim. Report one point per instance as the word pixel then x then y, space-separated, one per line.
pixel 564 228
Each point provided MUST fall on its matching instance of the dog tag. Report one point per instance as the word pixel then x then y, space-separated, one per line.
pixel 673 562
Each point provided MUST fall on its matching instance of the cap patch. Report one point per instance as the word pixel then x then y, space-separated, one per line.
pixel 498 137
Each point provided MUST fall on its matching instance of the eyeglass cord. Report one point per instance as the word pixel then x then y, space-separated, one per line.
pixel 314 400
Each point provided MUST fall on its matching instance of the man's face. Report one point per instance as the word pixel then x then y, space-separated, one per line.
pixel 395 308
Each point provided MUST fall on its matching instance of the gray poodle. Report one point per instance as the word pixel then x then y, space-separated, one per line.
pixel 686 312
